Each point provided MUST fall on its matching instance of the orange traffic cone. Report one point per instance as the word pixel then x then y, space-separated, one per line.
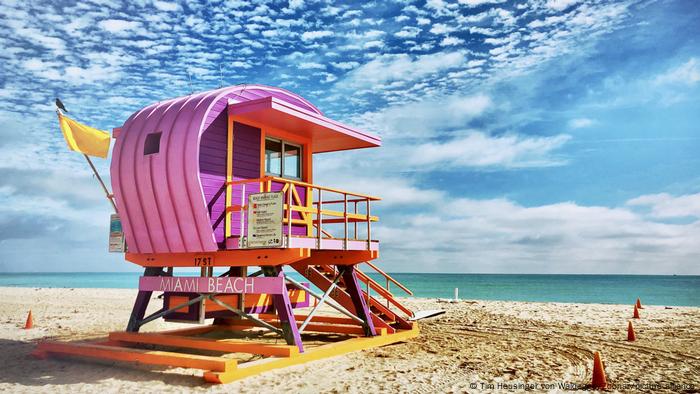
pixel 639 304
pixel 599 380
pixel 631 336
pixel 30 322
pixel 636 312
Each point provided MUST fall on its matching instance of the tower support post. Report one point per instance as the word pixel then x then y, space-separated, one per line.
pixel 141 303
pixel 284 310
pixel 352 287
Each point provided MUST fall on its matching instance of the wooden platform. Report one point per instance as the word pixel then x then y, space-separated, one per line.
pixel 120 346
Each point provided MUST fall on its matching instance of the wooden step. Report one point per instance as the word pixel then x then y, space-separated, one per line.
pixel 221 345
pixel 154 357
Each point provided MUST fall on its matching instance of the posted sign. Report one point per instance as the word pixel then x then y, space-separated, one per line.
pixel 116 235
pixel 265 216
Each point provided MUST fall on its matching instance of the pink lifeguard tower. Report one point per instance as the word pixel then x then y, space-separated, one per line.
pixel 222 181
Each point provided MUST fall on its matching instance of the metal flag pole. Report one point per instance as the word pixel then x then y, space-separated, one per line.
pixel 109 195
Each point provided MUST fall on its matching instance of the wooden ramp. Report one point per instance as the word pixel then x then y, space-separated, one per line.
pixel 122 346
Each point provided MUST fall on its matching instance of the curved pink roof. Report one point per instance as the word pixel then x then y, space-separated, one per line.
pixel 160 197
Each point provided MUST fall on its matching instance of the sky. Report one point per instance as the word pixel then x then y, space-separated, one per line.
pixel 527 136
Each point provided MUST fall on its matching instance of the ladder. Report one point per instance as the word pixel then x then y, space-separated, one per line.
pixel 390 314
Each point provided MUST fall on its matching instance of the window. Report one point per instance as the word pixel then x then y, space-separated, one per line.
pixel 282 159
pixel 273 157
pixel 292 161
pixel 152 144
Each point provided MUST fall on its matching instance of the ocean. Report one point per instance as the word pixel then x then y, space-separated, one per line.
pixel 605 289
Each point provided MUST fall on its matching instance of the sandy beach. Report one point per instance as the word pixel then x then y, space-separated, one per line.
pixel 475 346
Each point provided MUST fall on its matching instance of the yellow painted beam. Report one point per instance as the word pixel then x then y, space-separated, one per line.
pixel 325 351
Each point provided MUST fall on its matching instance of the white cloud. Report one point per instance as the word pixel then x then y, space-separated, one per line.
pixel 295 4
pixel 345 65
pixel 91 74
pixel 482 30
pixel 451 41
pixel 240 64
pixel 480 150
pixel 501 236
pixel 561 5
pixel 118 25
pixel 401 67
pixel 476 63
pixel 439 6
pixel 167 6
pixel 311 65
pixel 687 73
pixel 666 206
pixel 428 118
pixel 441 28
pixel 329 77
pixel 580 123
pixel 316 34
pixel 408 32
pixel 476 3
pixel 373 44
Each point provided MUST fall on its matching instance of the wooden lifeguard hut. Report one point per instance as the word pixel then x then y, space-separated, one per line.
pixel 222 182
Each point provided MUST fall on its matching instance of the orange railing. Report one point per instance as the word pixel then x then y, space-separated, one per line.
pixel 384 292
pixel 312 211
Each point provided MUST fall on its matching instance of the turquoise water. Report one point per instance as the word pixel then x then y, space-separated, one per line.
pixel 608 289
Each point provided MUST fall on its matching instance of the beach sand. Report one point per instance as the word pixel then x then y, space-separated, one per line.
pixel 475 346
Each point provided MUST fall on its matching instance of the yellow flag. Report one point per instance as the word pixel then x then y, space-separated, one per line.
pixel 84 139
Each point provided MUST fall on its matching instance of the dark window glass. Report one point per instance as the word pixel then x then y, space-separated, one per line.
pixel 152 144
pixel 273 157
pixel 292 161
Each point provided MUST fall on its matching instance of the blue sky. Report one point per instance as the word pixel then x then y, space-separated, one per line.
pixel 550 136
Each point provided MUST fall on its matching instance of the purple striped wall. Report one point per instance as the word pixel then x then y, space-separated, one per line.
pixel 212 171
pixel 212 163
pixel 246 165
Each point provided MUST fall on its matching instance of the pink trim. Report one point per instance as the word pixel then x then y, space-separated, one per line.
pixel 326 134
pixel 217 285
pixel 310 243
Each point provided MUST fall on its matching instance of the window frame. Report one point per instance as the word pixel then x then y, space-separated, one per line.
pixel 284 145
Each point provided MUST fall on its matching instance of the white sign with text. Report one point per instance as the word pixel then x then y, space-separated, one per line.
pixel 265 217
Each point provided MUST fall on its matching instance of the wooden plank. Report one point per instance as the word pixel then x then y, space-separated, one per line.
pixel 117 353
pixel 312 327
pixel 189 330
pixel 316 319
pixel 321 352
pixel 222 345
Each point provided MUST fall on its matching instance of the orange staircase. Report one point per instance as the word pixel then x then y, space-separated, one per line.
pixel 383 314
